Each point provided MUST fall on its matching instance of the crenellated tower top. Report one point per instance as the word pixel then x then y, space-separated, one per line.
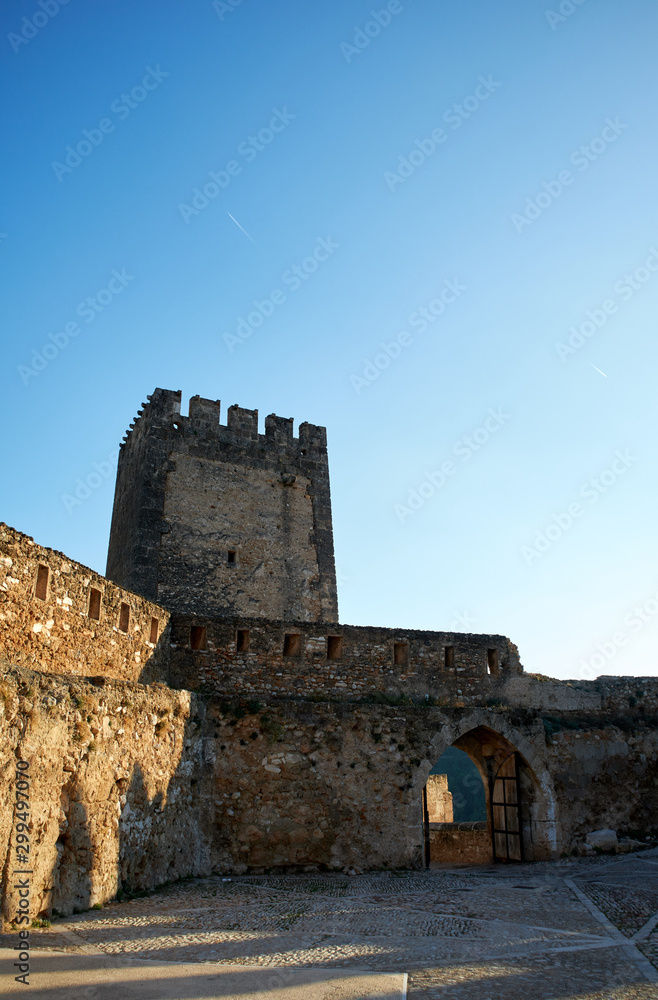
pixel 212 517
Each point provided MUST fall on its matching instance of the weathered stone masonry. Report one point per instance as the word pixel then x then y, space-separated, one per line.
pixel 61 617
pixel 297 659
pixel 212 518
pixel 186 736
pixel 137 785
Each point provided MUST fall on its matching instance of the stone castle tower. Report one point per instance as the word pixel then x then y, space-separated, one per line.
pixel 219 519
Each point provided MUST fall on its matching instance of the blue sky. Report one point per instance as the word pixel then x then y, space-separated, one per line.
pixel 500 156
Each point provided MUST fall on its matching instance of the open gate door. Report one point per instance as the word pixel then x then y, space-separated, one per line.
pixel 426 830
pixel 506 811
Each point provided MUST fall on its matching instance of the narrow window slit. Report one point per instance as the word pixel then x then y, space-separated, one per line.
pixel 400 653
pixel 124 617
pixel 492 661
pixel 292 644
pixel 94 603
pixel 334 647
pixel 198 637
pixel 41 589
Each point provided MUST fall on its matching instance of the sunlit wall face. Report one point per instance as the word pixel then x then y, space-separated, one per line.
pixel 429 228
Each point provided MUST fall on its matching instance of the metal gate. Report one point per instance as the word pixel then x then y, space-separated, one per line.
pixel 506 811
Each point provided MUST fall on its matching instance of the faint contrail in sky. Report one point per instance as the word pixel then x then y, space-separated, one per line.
pixel 243 230
pixel 598 370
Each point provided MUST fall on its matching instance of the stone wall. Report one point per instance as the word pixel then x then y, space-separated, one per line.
pixel 298 659
pixel 300 745
pixel 460 844
pixel 47 617
pixel 135 785
pixel 221 519
pixel 605 775
pixel 111 775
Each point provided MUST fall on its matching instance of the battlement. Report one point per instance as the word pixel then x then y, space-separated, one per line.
pixel 219 518
pixel 161 414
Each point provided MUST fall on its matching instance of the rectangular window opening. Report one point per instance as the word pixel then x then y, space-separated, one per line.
pixel 492 661
pixel 334 647
pixel 155 624
pixel 449 655
pixel 400 653
pixel 198 637
pixel 94 603
pixel 292 644
pixel 41 589
pixel 232 557
pixel 242 642
pixel 124 617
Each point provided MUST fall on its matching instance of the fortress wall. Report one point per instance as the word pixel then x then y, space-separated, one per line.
pixel 134 785
pixel 46 617
pixel 111 791
pixel 344 662
pixel 605 693
pixel 605 774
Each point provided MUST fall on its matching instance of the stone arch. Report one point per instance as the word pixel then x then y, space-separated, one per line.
pixel 488 739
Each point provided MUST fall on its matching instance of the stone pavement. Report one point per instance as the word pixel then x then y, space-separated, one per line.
pixel 65 976
pixel 583 929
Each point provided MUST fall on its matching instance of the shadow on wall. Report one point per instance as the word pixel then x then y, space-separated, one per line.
pixel 129 822
pixel 71 880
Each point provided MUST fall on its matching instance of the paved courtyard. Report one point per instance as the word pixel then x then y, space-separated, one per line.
pixel 574 930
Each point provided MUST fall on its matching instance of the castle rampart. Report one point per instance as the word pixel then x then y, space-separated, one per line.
pixel 60 617
pixel 133 785
pixel 341 662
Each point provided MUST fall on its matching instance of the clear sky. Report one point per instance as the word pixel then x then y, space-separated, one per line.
pixel 471 185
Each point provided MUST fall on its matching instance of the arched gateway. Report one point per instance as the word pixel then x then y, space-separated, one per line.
pixel 520 800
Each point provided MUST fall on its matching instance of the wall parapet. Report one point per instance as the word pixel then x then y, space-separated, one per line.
pixel 58 616
pixel 255 656
pixel 161 414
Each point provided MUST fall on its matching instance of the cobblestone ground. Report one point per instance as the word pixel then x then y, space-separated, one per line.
pixel 571 930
